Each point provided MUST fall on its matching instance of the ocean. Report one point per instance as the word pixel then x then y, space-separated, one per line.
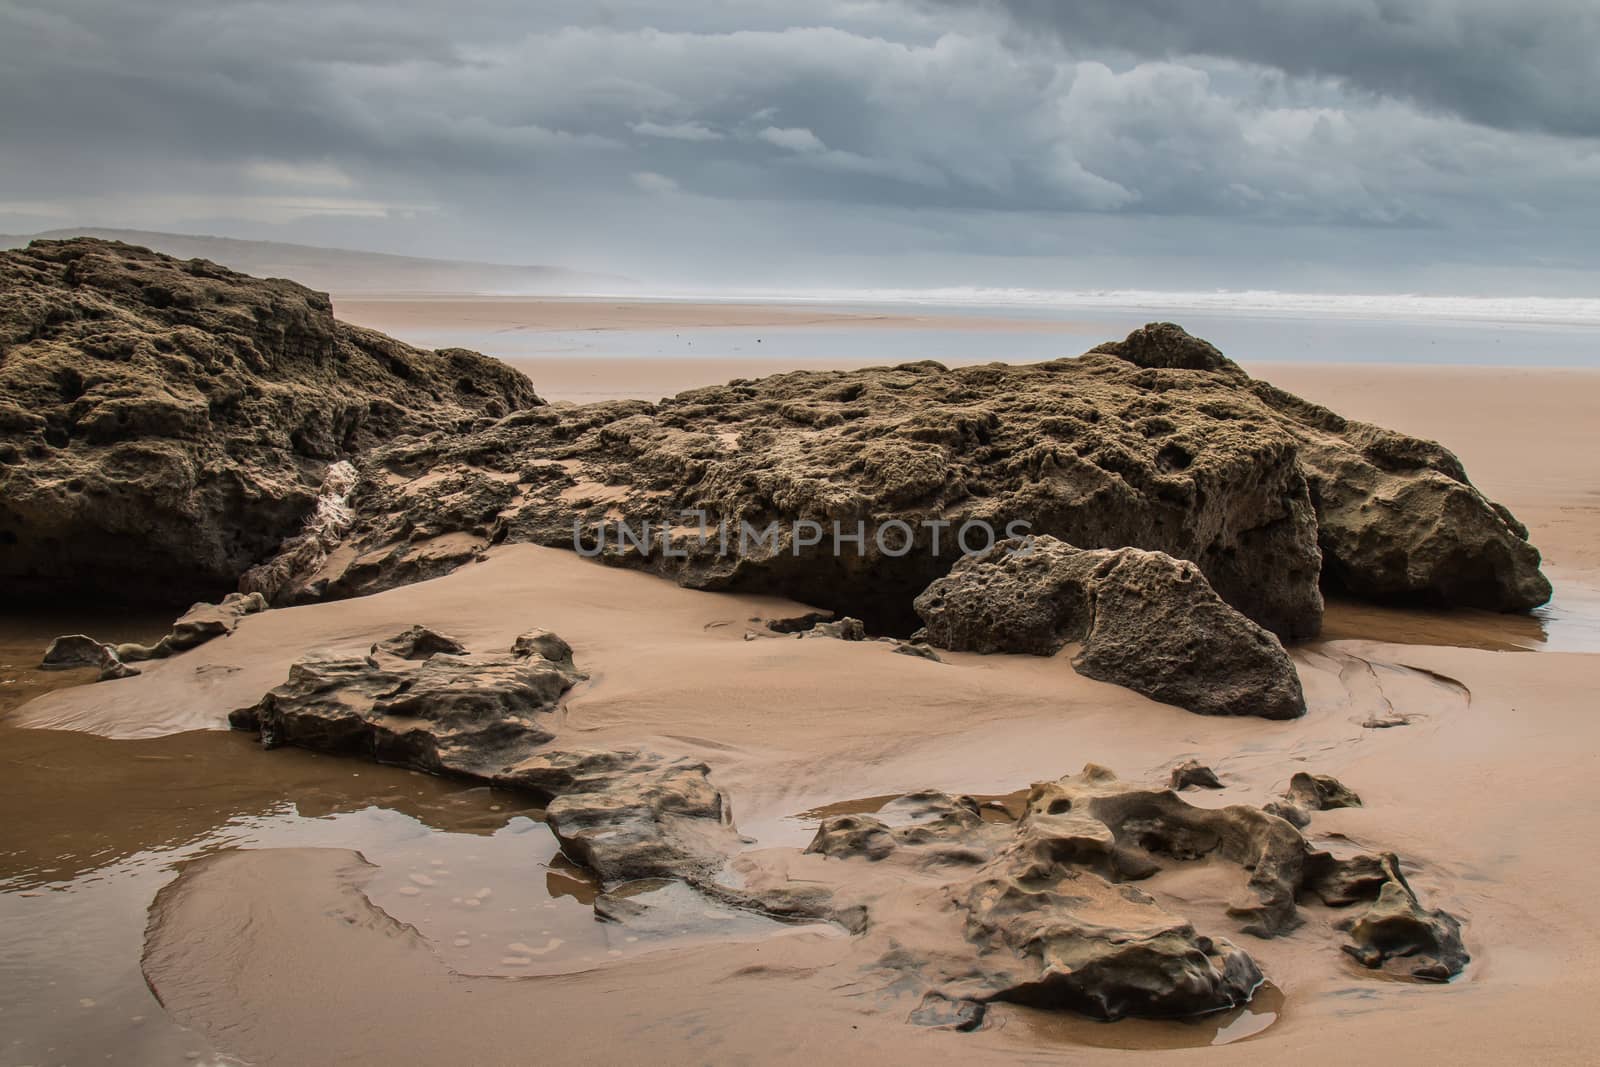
pixel 1254 327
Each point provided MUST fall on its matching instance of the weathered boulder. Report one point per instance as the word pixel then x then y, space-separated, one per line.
pixel 1398 520
pixel 1073 940
pixel 1143 620
pixel 448 713
pixel 164 424
pixel 918 460
pixel 1156 442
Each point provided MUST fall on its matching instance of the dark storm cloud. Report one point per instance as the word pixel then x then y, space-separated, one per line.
pixel 1514 64
pixel 829 128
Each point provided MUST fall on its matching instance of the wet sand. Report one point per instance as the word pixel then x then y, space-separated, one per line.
pixel 284 863
pixel 401 314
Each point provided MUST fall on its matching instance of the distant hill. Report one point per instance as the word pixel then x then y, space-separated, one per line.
pixel 343 270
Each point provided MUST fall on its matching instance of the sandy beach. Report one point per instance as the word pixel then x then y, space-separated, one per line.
pixel 1476 792
pixel 402 313
pixel 883 533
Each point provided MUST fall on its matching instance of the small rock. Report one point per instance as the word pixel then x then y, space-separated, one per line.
pixel 939 1012
pixel 1398 933
pixel 544 644
pixel 1192 774
pixel 845 629
pixel 1320 792
pixel 77 650
pixel 1289 812
pixel 419 642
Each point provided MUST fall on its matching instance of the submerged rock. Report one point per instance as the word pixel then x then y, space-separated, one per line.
pixel 1144 620
pixel 1047 915
pixel 421 699
pixel 76 651
pixel 165 424
pixel 201 623
pixel 1397 933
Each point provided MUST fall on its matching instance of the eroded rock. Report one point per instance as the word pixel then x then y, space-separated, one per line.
pixel 650 818
pixel 165 424
pixel 1143 620
pixel 75 651
pixel 419 642
pixel 1192 774
pixel 1155 442
pixel 1047 914
pixel 1397 933
pixel 845 629
pixel 1075 941
pixel 1320 792
pixel 1399 521
pixel 201 623
pixel 1095 450
pixel 447 713
pixel 425 701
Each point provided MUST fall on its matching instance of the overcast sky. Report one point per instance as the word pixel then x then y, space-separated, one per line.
pixel 1349 145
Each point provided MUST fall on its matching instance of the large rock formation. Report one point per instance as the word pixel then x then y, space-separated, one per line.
pixel 1098 451
pixel 1142 619
pixel 1155 442
pixel 166 424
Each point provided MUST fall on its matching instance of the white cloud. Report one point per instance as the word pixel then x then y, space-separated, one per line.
pixel 648 181
pixel 677 131
pixel 284 172
pixel 794 138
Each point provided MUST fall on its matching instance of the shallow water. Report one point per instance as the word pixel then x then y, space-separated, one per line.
pixel 1221 1028
pixel 1570 622
pixel 1244 336
pixel 93 828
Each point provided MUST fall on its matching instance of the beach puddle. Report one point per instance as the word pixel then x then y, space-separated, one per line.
pixel 1149 1035
pixel 94 828
pixel 1570 622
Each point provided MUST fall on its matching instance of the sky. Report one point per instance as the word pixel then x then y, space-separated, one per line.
pixel 1435 146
